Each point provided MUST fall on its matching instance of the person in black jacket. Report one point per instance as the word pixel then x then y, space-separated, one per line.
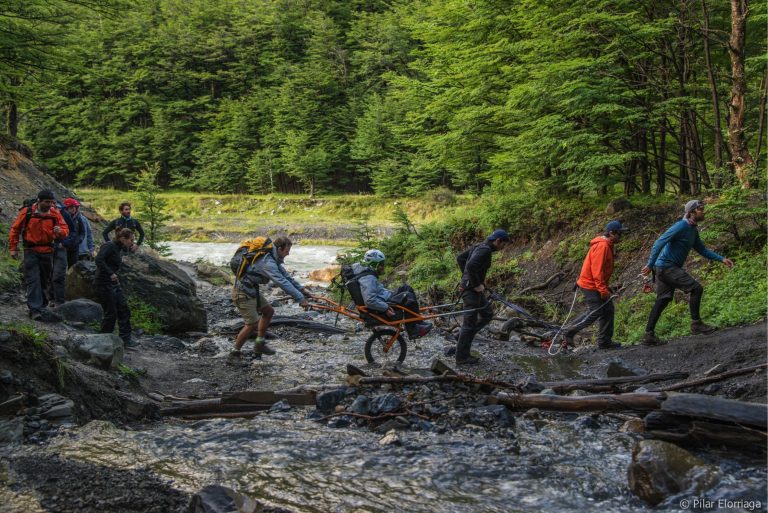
pixel 474 264
pixel 125 221
pixel 107 285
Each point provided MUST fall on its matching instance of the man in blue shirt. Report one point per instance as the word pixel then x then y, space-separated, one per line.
pixel 668 256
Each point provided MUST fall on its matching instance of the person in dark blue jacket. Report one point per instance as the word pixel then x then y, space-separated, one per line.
pixel 668 256
pixel 60 249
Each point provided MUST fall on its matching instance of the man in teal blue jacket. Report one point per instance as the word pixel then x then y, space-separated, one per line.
pixel 668 256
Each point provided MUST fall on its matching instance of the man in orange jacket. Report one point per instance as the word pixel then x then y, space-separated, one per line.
pixel 593 281
pixel 37 227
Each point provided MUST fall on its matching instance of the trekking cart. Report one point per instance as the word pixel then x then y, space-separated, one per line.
pixel 388 336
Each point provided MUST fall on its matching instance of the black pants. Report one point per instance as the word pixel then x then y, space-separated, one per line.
pixel 38 270
pixel 598 309
pixel 473 321
pixel 58 282
pixel 667 280
pixel 116 309
pixel 405 296
pixel 72 256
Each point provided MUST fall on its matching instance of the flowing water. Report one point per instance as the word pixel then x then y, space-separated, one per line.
pixel 571 464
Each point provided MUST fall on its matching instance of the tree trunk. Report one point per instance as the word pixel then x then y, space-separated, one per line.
pixel 661 155
pixel 761 116
pixel 716 130
pixel 742 160
pixel 645 176
pixel 11 118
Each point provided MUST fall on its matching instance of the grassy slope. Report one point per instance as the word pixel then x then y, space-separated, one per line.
pixel 214 216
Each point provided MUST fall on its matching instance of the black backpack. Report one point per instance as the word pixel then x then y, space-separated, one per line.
pixel 351 282
pixel 463 257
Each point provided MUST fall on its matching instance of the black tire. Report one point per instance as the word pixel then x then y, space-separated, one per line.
pixel 374 346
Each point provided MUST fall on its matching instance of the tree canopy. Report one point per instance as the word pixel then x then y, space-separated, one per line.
pixel 395 97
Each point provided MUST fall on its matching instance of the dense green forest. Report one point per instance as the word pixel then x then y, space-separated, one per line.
pixel 391 96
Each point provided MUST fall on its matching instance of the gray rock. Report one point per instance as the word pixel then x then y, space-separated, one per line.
pixel 103 350
pixel 340 422
pixel 661 469
pixel 361 405
pixel 6 377
pixel 158 283
pixel 206 346
pixel 61 352
pixel 587 422
pixel 80 310
pixel 548 391
pixel 390 438
pixel 279 406
pixel 618 205
pixel 5 336
pixel 398 423
pixel 220 499
pixel 494 414
pixel 449 350
pixel 228 326
pixel 327 401
pixel 529 385
pixel 386 403
pixel 59 411
pixel 167 344
pixel 619 368
pixel 579 393
pixel 11 431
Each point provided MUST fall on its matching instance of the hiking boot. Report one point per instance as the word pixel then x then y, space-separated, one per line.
pixel 608 345
pixel 261 347
pixel 469 360
pixel 650 339
pixel 130 344
pixel 36 315
pixel 699 328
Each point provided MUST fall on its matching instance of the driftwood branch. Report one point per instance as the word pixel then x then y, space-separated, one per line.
pixel 610 384
pixel 712 379
pixel 406 380
pixel 543 285
pixel 632 402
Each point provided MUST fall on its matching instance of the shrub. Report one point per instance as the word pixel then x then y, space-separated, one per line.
pixel 10 273
pixel 145 316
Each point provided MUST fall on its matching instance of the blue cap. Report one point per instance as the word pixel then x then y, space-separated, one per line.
pixel 615 226
pixel 499 234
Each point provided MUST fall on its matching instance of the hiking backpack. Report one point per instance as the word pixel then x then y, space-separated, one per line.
pixel 351 282
pixel 31 205
pixel 249 251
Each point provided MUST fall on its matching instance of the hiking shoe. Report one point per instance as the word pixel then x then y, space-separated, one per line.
pixel 608 345
pixel 235 353
pixel 36 315
pixel 699 328
pixel 130 344
pixel 470 360
pixel 650 339
pixel 261 347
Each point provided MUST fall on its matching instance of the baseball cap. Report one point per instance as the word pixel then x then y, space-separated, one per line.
pixel 615 226
pixel 71 202
pixel 693 205
pixel 46 195
pixel 499 234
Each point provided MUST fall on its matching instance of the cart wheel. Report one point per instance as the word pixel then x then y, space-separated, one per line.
pixel 374 346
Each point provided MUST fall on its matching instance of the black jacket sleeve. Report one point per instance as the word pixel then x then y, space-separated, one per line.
pixel 109 229
pixel 477 266
pixel 141 233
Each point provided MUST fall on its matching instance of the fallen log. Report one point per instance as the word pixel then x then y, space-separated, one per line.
pixel 676 428
pixel 633 402
pixel 717 408
pixel 608 384
pixel 305 324
pixel 714 378
pixel 237 402
pixel 408 380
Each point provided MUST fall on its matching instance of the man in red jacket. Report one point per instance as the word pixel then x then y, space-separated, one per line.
pixel 593 281
pixel 36 228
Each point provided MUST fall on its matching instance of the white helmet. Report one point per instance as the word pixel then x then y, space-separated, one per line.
pixel 373 256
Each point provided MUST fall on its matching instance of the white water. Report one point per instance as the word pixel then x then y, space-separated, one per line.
pixel 302 259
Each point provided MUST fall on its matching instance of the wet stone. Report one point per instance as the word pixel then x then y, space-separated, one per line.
pixel 327 401
pixel 386 403
pixel 494 414
pixel 80 311
pixel 529 385
pixel 361 405
pixel 548 391
pixel 449 350
pixel 280 406
pixel 220 499
pixel 398 423
pixel 5 336
pixel 167 344
pixel 6 377
pixel 390 438
pixel 12 430
pixel 340 422
pixel 619 368
pixel 587 422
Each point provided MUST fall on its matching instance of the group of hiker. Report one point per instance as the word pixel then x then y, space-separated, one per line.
pixel 54 236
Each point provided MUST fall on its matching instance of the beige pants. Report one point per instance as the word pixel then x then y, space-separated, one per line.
pixel 249 307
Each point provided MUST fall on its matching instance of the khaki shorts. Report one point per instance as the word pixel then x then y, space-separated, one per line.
pixel 248 307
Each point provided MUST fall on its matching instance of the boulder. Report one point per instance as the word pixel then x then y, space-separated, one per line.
pixel 361 405
pixel 11 430
pixel 661 469
pixel 618 205
pixel 220 499
pixel 55 407
pixel 494 414
pixel 80 310
pixel 103 350
pixel 214 274
pixel 158 283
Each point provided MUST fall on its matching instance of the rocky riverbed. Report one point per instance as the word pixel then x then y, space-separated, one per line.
pixel 89 439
